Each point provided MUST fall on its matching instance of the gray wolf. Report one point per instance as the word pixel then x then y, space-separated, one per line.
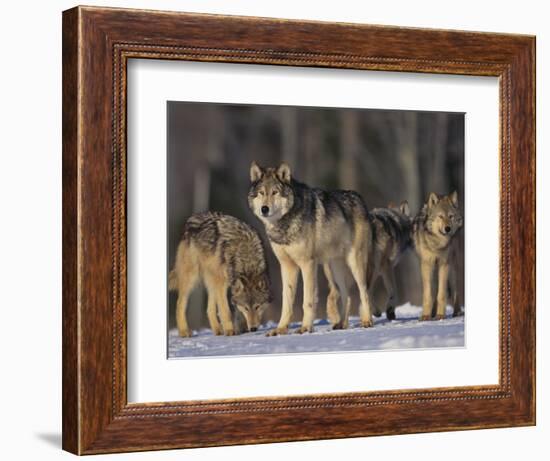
pixel 229 257
pixel 306 227
pixel 391 238
pixel 435 239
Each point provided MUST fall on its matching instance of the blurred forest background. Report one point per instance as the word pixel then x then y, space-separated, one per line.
pixel 386 156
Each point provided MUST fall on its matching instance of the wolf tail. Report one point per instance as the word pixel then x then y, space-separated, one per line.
pixel 173 280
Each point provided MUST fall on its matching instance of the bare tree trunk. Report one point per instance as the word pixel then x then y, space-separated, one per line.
pixel 312 148
pixel 439 129
pixel 289 135
pixel 377 154
pixel 201 188
pixel 407 157
pixel 348 171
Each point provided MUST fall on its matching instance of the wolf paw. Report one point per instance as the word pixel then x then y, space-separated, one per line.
pixel 230 332
pixel 390 314
pixel 424 318
pixel 185 333
pixel 304 329
pixel 277 331
pixel 217 331
pixel 439 317
pixel 366 323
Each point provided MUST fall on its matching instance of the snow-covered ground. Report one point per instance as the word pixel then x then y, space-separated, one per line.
pixel 404 333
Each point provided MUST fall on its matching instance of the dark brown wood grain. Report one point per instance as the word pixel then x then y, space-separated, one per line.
pixel 70 385
pixel 97 43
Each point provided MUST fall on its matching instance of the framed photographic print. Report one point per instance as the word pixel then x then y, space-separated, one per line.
pixel 302 228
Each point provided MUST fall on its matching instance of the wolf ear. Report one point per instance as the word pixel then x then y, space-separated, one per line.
pixel 404 208
pixel 454 198
pixel 433 200
pixel 283 172
pixel 237 287
pixel 256 172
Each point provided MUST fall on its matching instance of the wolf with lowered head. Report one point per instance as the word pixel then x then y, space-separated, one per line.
pixel 306 227
pixel 229 257
pixel 435 238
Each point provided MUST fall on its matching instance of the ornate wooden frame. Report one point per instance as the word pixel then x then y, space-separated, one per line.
pixel 97 43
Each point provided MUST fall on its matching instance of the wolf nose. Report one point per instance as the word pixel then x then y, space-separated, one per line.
pixel 253 329
pixel 265 210
pixel 447 229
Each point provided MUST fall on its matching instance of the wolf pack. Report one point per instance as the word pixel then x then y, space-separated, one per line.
pixel 308 228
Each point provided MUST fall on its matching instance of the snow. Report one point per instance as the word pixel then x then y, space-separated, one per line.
pixel 406 332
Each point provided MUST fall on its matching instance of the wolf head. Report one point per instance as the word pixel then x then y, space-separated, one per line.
pixel 444 217
pixel 251 296
pixel 271 195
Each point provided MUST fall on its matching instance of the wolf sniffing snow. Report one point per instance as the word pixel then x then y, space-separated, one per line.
pixel 435 239
pixel 307 227
pixel 229 257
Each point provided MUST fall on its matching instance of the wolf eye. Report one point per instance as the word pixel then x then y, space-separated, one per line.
pixel 441 216
pixel 261 192
pixel 275 192
pixel 451 216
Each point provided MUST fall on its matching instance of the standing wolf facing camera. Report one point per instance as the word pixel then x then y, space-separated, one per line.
pixel 436 242
pixel 229 257
pixel 391 238
pixel 307 227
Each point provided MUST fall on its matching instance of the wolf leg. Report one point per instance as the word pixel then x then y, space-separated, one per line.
pixel 187 279
pixel 373 272
pixel 333 313
pixel 212 314
pixel 216 281
pixel 181 314
pixel 341 272
pixel 357 262
pixel 224 311
pixel 289 279
pixel 371 281
pixel 443 281
pixel 213 282
pixel 309 277
pixel 453 286
pixel 388 277
pixel 426 268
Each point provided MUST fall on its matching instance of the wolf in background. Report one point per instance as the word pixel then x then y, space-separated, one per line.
pixel 435 239
pixel 229 257
pixel 307 227
pixel 393 227
pixel 391 238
